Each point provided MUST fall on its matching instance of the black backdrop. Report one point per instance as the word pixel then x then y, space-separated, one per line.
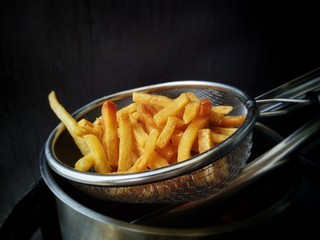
pixel 87 49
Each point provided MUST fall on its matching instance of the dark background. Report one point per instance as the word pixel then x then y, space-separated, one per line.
pixel 87 49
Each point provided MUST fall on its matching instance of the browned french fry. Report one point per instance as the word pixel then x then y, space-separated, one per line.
pixel 152 99
pixel 142 162
pixel 189 136
pixel 139 134
pixel 222 109
pixel 232 121
pixel 218 137
pixel 224 130
pixel 205 107
pixel 168 152
pixel 157 161
pixel 66 118
pixel 192 96
pixel 166 132
pixel 125 143
pixel 84 163
pixel 205 140
pixel 110 137
pixel 171 109
pixel 101 163
pixel 191 111
pixel 146 117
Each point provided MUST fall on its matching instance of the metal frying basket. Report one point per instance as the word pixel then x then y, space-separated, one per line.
pixel 192 179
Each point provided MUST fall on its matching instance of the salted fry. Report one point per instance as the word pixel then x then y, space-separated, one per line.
pixel 142 163
pixel 66 118
pixel 166 132
pixel 157 161
pixel 232 121
pixel 110 138
pixel 146 117
pixel 224 130
pixel 125 142
pixel 218 137
pixel 189 136
pixel 151 99
pixel 171 109
pixel 205 107
pixel 222 109
pixel 191 111
pixel 139 133
pixel 205 140
pixel 101 163
pixel 85 163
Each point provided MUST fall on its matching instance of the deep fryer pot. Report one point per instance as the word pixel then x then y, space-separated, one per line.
pixel 79 220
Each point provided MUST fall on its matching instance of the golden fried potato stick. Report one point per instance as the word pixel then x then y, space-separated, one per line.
pixel 205 140
pixel 86 127
pixel 142 162
pixel 171 109
pixel 205 107
pixel 152 99
pixel 232 121
pixel 222 109
pixel 70 123
pixel 146 117
pixel 139 134
pixel 189 136
pixel 110 137
pixel 84 163
pixel 125 160
pixel 218 137
pixel 166 132
pixel 157 161
pixel 101 163
pixel 191 111
pixel 224 130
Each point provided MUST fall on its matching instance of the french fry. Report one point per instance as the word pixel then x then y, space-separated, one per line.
pixel 218 137
pixel 205 140
pixel 192 96
pixel 125 142
pixel 157 161
pixel 66 118
pixel 224 130
pixel 191 111
pixel 222 109
pixel 171 109
pixel 189 136
pixel 146 117
pixel 142 163
pixel 166 132
pixel 168 152
pixel 110 138
pixel 101 163
pixel 151 99
pixel 139 134
pixel 84 163
pixel 232 121
pixel 205 107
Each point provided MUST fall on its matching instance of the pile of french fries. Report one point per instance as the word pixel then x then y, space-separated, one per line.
pixel 151 132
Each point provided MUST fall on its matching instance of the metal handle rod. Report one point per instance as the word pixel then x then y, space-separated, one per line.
pixel 294 89
pixel 271 159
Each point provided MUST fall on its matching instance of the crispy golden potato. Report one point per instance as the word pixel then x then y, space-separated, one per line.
pixel 110 137
pixel 152 132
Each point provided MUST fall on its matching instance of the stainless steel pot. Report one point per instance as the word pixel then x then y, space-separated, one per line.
pixel 84 217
